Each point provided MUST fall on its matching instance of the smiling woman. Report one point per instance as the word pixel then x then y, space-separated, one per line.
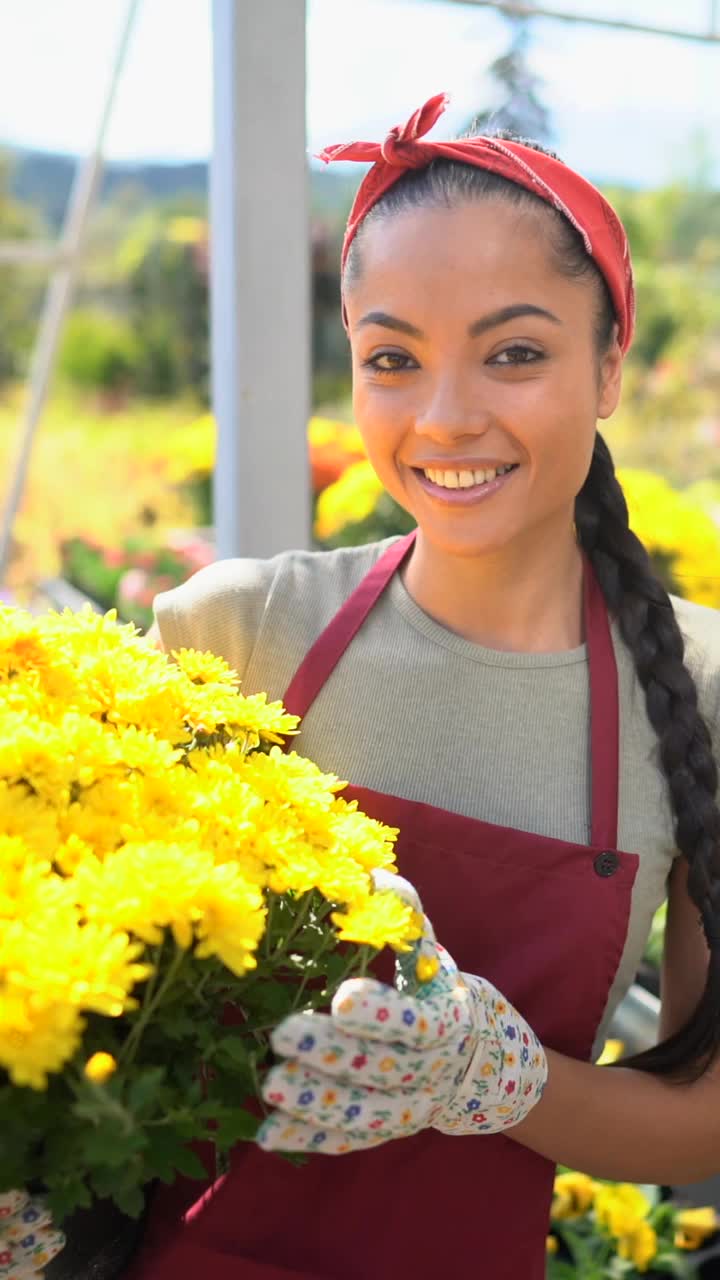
pixel 508 686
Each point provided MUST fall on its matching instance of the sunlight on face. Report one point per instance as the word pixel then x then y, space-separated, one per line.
pixel 471 353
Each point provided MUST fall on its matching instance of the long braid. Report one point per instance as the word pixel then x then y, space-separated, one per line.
pixel 649 627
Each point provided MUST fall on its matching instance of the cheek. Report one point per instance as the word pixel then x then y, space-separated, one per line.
pixel 380 418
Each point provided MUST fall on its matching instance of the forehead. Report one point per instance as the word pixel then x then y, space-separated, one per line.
pixel 445 253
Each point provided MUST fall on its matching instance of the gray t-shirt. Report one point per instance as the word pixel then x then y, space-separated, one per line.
pixel 448 722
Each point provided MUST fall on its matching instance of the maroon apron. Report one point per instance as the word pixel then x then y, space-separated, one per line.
pixel 546 922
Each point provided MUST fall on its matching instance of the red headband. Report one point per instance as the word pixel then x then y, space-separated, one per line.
pixel 551 180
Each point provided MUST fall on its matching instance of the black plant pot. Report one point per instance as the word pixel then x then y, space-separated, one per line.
pixel 100 1243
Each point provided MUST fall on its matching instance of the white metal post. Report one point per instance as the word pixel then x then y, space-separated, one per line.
pixel 260 277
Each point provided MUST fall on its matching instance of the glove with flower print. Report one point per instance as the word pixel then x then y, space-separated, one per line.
pixel 387 1063
pixel 28 1240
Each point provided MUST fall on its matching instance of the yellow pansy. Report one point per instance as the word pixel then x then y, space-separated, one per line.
pixel 619 1206
pixel 694 1226
pixel 638 1244
pixel 573 1195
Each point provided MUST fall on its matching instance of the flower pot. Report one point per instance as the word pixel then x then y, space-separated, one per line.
pixel 100 1243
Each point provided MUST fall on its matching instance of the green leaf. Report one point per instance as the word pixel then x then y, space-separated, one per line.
pixel 145 1088
pixel 560 1270
pixel 71 1194
pixel 167 1155
pixel 130 1200
pixel 187 1162
pixel 236 1126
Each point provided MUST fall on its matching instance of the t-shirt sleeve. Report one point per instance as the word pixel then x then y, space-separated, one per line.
pixel 700 627
pixel 218 609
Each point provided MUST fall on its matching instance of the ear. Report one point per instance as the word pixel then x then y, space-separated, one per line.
pixel 610 379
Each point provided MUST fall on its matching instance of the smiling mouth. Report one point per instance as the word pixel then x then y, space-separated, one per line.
pixel 465 478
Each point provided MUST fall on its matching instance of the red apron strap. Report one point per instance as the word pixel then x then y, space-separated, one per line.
pixel 331 644
pixel 604 714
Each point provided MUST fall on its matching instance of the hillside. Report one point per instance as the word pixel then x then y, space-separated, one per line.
pixel 43 179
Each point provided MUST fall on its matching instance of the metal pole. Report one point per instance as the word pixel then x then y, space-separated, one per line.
pixel 517 9
pixel 60 292
pixel 260 278
pixel 31 253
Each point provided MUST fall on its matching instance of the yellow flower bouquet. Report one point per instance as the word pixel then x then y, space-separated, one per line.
pixel 162 861
pixel 608 1230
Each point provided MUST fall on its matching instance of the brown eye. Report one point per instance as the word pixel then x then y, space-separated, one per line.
pixel 393 362
pixel 517 355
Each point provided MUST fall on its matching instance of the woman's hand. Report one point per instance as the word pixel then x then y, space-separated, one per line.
pixel 387 1063
pixel 28 1240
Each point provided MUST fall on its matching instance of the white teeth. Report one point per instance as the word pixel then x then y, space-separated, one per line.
pixel 465 479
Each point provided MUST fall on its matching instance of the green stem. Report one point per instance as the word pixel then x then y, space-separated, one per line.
pixel 129 1049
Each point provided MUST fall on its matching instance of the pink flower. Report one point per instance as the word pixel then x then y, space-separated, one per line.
pixel 383 1015
pixel 510 1086
pixel 277 1098
pixel 359 1061
pixel 375 1124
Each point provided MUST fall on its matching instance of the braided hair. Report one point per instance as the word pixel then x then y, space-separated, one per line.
pixel 634 596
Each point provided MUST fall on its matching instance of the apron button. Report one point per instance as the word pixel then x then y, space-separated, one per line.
pixel 607 863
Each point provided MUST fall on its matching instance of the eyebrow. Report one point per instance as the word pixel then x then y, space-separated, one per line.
pixel 491 321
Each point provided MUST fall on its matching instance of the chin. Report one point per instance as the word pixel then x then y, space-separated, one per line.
pixel 467 543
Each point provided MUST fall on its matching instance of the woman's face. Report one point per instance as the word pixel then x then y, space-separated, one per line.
pixel 472 354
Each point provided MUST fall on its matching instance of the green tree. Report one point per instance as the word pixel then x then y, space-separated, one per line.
pixel 517 106
pixel 21 287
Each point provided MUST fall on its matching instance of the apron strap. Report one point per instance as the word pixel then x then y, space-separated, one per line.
pixel 331 644
pixel 604 713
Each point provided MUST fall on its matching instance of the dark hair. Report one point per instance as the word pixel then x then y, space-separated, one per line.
pixel 634 595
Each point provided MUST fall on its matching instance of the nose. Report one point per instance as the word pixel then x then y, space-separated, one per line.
pixel 450 412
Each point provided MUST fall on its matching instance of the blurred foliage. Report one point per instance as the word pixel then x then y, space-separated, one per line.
pixel 103 475
pixel 98 350
pixel 129 576
pixel 21 286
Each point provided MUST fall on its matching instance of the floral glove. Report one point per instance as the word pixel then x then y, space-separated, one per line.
pixel 387 1063
pixel 28 1240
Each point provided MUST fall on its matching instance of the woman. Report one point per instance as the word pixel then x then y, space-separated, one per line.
pixel 467 680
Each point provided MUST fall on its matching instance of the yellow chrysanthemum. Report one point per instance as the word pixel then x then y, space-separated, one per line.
pixel 381 919
pixel 205 668
pixel 134 804
pixel 100 1067
pixel 232 919
pixel 574 1195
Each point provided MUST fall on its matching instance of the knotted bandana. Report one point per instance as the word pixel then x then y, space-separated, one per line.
pixel 405 147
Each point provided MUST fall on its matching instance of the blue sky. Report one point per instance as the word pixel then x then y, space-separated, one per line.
pixel 626 107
